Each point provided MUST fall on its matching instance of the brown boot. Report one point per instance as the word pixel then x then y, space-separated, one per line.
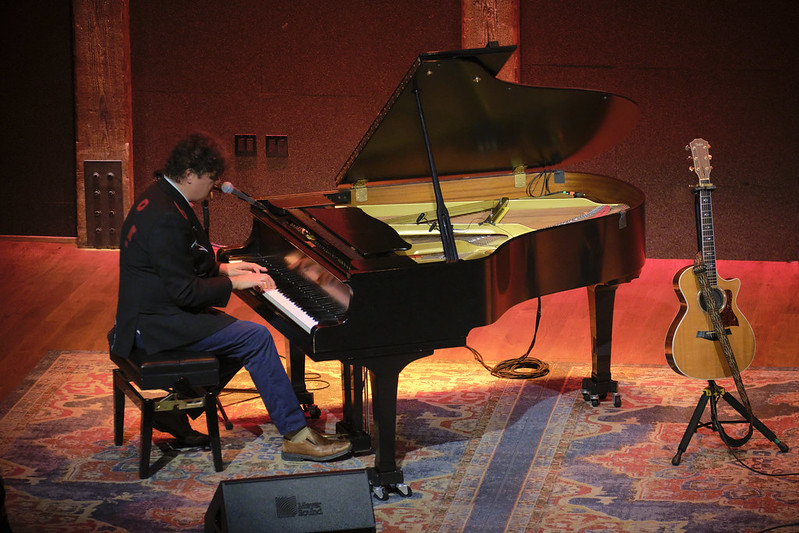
pixel 308 445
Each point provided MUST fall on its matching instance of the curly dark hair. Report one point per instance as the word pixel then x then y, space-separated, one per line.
pixel 197 152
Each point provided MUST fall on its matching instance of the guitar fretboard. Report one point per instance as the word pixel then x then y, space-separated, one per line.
pixel 707 236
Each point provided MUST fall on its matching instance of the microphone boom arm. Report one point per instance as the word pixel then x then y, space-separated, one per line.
pixel 263 205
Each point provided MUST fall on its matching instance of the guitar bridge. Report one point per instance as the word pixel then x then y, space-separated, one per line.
pixel 711 335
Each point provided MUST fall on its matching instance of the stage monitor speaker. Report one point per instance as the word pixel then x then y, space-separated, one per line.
pixel 329 501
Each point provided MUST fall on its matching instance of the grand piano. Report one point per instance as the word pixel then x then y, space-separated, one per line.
pixel 453 208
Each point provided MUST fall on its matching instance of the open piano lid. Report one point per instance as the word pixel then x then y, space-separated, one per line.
pixel 477 123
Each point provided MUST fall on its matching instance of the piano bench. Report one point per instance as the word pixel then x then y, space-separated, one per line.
pixel 190 380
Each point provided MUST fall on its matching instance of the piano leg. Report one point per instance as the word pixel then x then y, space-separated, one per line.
pixel 384 373
pixel 601 299
pixel 295 368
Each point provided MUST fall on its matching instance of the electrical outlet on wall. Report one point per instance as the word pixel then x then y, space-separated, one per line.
pixel 245 144
pixel 277 146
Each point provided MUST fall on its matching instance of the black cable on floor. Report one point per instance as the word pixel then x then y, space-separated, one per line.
pixel 524 367
pixel 730 447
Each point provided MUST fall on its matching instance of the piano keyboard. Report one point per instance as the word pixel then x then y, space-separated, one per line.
pixel 301 300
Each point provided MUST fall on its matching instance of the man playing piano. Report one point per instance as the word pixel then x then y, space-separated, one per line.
pixel 170 283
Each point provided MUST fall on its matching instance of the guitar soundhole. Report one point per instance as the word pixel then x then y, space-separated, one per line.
pixel 721 297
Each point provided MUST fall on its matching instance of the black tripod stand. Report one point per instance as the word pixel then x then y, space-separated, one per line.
pixel 713 393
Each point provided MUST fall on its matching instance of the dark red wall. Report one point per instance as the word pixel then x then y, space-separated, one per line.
pixel 319 72
pixel 723 71
pixel 37 120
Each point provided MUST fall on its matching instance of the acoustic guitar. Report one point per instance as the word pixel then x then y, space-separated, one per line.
pixel 692 345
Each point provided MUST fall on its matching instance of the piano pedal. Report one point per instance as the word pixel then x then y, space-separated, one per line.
pixel 313 410
pixel 361 441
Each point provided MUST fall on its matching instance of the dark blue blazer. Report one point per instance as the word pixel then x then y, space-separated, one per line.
pixel 169 280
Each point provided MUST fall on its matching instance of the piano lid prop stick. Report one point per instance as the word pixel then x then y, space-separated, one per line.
pixel 442 215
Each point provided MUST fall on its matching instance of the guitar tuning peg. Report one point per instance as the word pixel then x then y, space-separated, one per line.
pixel 709 156
pixel 691 168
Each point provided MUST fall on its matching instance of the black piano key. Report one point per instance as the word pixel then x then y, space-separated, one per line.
pixel 305 294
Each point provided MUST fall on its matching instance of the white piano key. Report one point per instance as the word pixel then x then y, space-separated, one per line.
pixel 292 310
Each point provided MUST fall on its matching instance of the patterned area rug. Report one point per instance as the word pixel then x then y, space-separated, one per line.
pixel 480 453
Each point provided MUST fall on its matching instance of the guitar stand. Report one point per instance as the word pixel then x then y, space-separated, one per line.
pixel 712 393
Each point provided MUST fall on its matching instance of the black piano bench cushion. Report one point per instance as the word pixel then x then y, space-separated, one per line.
pixel 162 370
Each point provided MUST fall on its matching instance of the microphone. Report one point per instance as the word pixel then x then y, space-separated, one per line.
pixel 228 188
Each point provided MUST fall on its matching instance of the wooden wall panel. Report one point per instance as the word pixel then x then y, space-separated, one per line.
pixel 103 107
pixel 485 21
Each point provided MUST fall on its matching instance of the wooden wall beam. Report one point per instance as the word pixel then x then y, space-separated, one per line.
pixel 103 104
pixel 483 21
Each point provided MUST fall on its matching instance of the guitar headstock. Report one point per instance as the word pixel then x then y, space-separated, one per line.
pixel 700 155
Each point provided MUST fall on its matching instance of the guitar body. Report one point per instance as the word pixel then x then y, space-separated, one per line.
pixel 692 348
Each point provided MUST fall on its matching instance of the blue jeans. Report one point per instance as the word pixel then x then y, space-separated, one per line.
pixel 252 345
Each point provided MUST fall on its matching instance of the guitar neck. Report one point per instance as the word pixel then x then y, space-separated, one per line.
pixel 706 235
pixel 704 222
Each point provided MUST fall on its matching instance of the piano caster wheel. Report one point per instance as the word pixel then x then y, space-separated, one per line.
pixel 595 398
pixel 616 399
pixel 591 392
pixel 312 410
pixel 381 492
pixel 404 490
pixel 587 396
